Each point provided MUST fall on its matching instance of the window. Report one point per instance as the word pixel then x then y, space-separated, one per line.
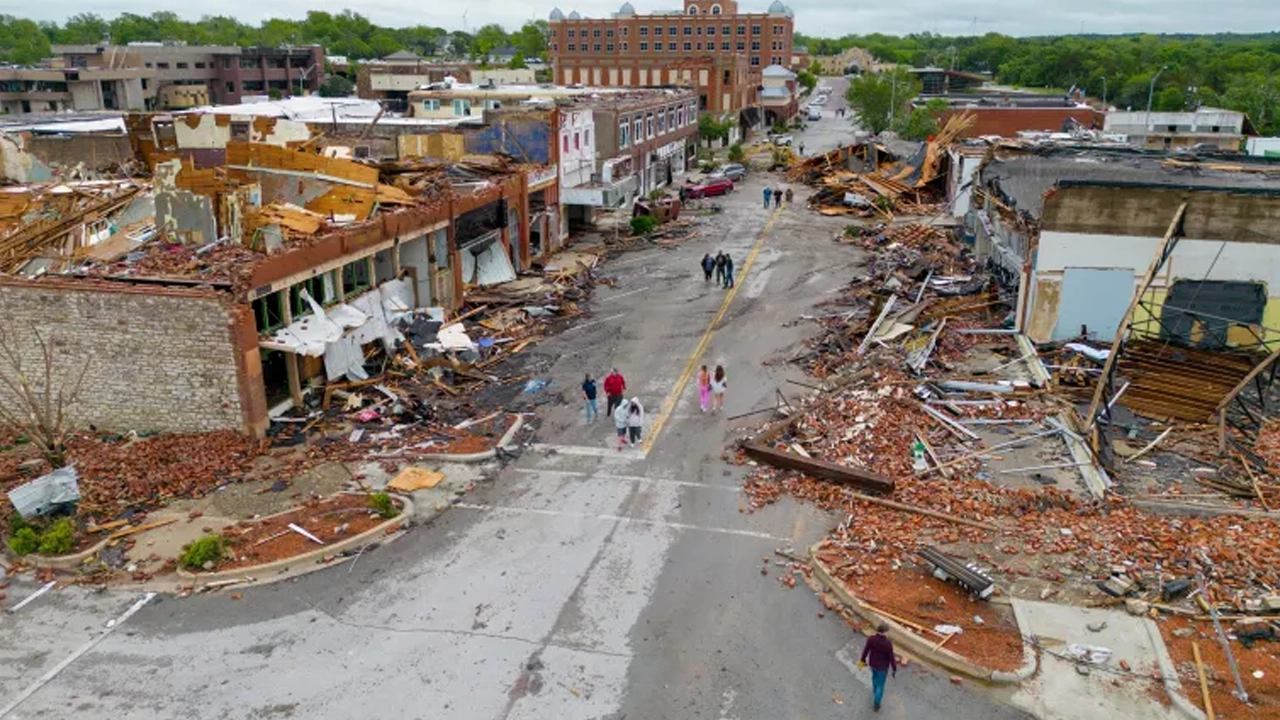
pixel 662 123
pixel 564 143
pixel 268 313
pixel 671 119
pixel 715 9
pixel 689 46
pixel 755 45
pixel 711 30
pixel 608 33
pixel 148 64
pixel 693 9
pixel 596 47
pixel 755 61
pixel 553 32
pixel 577 141
pixel 644 31
pixel 673 30
pixel 741 46
pixel 492 104
pixel 355 277
pixel 162 66
pixel 726 30
pixel 251 63
pixel 226 63
pixel 776 61
pixel 725 46
pixel 625 30
pixel 671 46
pixel 595 33
pixel 648 127
pixel 657 31
pixel 643 46
pixel 624 134
pixel 199 65
pixel 608 47
pixel 699 45
pixel 699 29
pixel 779 29
pixel 688 30
pixel 572 47
pixel 231 87
pixel 624 46
pixel 586 138
pixel 680 117
pixel 315 287
pixel 431 105
pixel 461 108
pixel 637 131
pixel 755 29
pixel 183 66
pixel 742 29
pixel 555 47
pixel 569 32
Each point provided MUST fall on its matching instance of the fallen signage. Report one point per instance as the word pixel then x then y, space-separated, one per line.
pixel 866 480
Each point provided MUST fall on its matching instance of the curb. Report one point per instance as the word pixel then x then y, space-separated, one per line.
pixel 918 648
pixel 1169 674
pixel 283 565
pixel 61 562
pixel 504 443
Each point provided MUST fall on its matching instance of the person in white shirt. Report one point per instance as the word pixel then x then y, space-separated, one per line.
pixel 635 420
pixel 719 384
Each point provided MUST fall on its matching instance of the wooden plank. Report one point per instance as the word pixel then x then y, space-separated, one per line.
pixel 1204 683
pixel 1240 386
pixel 863 479
pixel 924 511
pixel 1157 261
pixel 107 526
pixel 141 528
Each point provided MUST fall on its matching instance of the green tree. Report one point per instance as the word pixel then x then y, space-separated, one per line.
pixel 922 122
pixel 489 38
pixel 84 29
pixel 878 98
pixel 531 39
pixel 22 42
pixel 517 62
pixel 807 80
pixel 710 129
pixel 337 86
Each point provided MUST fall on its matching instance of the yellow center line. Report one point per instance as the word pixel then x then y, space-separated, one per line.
pixel 669 404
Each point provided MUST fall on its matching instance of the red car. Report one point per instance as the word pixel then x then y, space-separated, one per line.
pixel 709 187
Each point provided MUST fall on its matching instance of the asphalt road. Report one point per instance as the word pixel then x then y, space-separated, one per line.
pixel 581 582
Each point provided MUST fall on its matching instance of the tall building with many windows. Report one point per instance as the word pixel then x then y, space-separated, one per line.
pixel 709 45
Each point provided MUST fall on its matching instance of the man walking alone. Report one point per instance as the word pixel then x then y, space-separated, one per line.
pixel 878 652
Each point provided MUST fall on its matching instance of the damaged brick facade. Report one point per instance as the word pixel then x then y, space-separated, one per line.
pixel 159 359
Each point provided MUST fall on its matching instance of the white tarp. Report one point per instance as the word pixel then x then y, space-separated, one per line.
pixel 452 337
pixel 308 335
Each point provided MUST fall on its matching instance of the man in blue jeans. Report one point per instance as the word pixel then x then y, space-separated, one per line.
pixel 878 652
pixel 589 395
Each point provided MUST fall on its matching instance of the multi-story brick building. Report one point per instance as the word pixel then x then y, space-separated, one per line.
pixel 709 45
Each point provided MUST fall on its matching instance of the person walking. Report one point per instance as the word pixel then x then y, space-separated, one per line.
pixel 790 195
pixel 704 388
pixel 708 264
pixel 878 653
pixel 635 421
pixel 719 384
pixel 614 386
pixel 589 395
pixel 620 422
pixel 721 258
pixel 728 271
pixel 777 198
pixel 802 149
pixel 768 193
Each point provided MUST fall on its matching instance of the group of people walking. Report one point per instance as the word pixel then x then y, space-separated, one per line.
pixel 628 415
pixel 776 196
pixel 721 265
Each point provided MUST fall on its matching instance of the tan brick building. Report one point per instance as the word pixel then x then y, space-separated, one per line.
pixel 709 45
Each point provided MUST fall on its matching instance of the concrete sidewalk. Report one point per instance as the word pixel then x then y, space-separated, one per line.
pixel 1061 692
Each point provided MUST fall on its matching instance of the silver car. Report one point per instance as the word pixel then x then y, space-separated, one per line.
pixel 733 171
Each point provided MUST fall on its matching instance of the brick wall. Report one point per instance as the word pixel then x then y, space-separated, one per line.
pixel 160 359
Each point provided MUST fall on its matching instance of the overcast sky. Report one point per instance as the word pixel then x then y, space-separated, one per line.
pixel 813 17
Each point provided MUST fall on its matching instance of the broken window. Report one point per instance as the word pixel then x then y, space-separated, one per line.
pixel 239 131
pixel 355 277
pixel 268 314
pixel 315 288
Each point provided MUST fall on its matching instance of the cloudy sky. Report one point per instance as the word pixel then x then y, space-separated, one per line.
pixel 813 17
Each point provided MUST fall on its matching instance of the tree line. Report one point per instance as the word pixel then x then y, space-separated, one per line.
pixel 25 42
pixel 1234 71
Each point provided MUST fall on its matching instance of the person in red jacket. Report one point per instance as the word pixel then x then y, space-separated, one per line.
pixel 878 652
pixel 614 386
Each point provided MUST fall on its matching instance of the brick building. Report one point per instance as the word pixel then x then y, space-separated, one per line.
pixel 709 45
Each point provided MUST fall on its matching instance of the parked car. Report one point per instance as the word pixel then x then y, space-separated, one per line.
pixel 781 140
pixel 712 185
pixel 733 171
pixel 815 113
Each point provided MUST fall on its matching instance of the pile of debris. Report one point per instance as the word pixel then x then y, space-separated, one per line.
pixel 867 179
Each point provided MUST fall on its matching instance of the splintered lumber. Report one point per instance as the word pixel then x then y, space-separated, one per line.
pixel 107 526
pixel 1204 683
pixel 1151 445
pixel 923 511
pixel 900 620
pixel 863 479
pixel 141 528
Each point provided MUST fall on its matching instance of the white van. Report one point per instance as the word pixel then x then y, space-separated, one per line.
pixel 815 113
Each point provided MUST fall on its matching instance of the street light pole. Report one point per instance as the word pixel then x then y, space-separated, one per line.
pixel 893 99
pixel 1151 92
pixel 1104 92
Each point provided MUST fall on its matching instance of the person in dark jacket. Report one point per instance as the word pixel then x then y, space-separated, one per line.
pixel 721 258
pixel 728 271
pixel 708 265
pixel 589 396
pixel 878 653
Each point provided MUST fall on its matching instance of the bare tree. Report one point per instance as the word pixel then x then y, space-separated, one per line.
pixel 42 396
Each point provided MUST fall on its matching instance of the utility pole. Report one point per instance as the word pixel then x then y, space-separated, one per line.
pixel 893 99
pixel 1151 92
pixel 1104 92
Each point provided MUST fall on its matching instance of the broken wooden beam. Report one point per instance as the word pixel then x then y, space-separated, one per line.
pixel 863 479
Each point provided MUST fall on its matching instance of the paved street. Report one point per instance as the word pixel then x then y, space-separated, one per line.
pixel 580 583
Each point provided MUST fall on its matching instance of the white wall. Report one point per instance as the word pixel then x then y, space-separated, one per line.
pixel 1191 260
pixel 578 134
pixel 962 190
pixel 1262 145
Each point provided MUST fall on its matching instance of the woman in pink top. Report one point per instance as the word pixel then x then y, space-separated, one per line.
pixel 704 387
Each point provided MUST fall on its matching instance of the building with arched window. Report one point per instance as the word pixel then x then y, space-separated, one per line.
pixel 709 45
